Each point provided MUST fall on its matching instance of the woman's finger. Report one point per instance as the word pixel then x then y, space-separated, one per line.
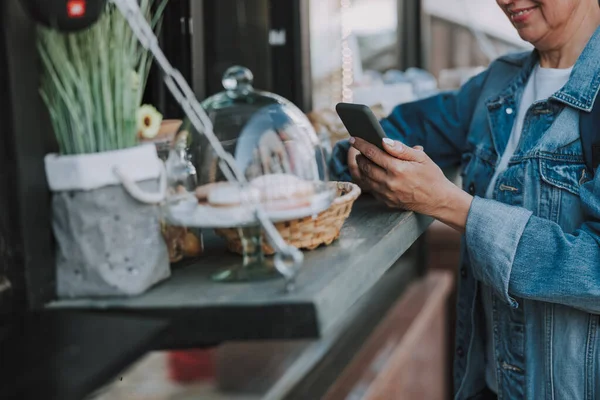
pixel 370 170
pixel 352 164
pixel 403 152
pixel 373 153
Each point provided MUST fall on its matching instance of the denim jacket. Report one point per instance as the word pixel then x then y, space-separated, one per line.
pixel 536 244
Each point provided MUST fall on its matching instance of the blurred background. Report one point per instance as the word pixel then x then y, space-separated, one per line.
pixel 319 52
pixel 314 53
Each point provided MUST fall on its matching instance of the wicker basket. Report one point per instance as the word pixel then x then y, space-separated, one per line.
pixel 307 233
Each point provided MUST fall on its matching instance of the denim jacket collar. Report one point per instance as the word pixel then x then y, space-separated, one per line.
pixel 582 88
pixel 501 106
pixel 580 91
pixel 523 64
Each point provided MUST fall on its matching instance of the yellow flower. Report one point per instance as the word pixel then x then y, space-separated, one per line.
pixel 148 121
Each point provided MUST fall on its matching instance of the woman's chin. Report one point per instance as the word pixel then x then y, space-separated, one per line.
pixel 530 35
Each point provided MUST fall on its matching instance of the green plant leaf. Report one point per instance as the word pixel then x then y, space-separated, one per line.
pixel 87 84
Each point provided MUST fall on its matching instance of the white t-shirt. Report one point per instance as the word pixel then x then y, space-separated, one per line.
pixel 542 84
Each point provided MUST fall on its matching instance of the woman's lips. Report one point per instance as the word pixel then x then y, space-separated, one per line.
pixel 521 15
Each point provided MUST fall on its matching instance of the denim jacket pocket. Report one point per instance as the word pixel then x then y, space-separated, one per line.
pixel 567 176
pixel 480 153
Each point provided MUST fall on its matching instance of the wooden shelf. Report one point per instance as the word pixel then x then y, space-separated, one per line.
pixel 333 278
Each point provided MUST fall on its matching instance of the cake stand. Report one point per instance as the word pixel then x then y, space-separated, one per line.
pixel 186 211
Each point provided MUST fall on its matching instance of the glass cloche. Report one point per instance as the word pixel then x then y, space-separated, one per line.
pixel 280 163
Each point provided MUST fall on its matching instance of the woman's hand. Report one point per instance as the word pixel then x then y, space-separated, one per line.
pixel 406 178
pixel 355 171
pixel 353 167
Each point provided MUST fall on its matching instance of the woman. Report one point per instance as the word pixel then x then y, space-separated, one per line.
pixel 529 286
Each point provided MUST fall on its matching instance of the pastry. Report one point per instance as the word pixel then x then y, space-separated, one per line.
pixel 283 191
pixel 192 245
pixel 174 237
pixel 231 195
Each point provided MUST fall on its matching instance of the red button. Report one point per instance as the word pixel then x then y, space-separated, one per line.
pixel 76 8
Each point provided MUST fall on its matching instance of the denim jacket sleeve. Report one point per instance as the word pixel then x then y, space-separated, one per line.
pixel 439 123
pixel 533 258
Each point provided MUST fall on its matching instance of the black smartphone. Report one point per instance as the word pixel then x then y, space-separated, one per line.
pixel 360 122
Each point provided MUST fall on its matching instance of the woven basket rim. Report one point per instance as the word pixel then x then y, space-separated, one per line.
pixel 336 214
pixel 352 194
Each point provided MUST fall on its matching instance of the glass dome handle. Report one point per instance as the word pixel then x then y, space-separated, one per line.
pixel 288 264
pixel 237 79
pixel 287 259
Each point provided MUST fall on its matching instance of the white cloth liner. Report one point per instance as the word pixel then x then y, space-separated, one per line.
pixel 93 171
pixel 187 212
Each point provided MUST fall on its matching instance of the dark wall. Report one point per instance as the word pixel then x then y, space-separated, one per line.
pixel 203 38
pixel 237 33
pixel 246 33
pixel 410 39
pixel 10 282
pixel 175 37
pixel 26 253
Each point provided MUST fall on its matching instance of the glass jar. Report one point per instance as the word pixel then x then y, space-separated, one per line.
pixel 278 159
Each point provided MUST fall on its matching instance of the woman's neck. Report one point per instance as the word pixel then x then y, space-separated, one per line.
pixel 566 54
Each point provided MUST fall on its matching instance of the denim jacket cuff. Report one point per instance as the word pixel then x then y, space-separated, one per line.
pixel 493 233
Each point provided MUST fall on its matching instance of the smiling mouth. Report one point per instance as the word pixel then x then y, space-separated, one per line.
pixel 517 14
